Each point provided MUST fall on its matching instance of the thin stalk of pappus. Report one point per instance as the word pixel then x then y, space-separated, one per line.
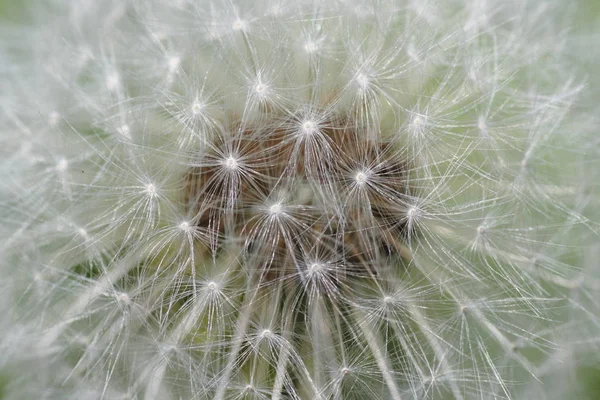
pixel 275 342
pixel 527 264
pixel 313 76
pixel 189 110
pixel 311 49
pixel 318 315
pixel 434 342
pixel 484 322
pixel 110 65
pixel 108 160
pixel 372 340
pixel 548 188
pixel 382 361
pixel 486 354
pixel 138 209
pixel 251 292
pixel 497 86
pixel 432 339
pixel 110 341
pixel 250 50
pixel 258 79
pixel 386 314
pixel 238 338
pixel 357 329
pixel 286 351
pixel 253 361
pixel 320 348
pixel 154 373
pixel 29 220
pixel 575 212
pixel 103 285
pixel 173 258
pixel 337 391
pixel 184 327
pixel 482 319
pixel 284 354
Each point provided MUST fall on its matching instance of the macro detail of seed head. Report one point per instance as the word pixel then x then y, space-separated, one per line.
pixel 281 202
pixel 381 199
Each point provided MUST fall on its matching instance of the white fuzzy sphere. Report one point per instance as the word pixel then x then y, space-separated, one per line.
pixel 273 199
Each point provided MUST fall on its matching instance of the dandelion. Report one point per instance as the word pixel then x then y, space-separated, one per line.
pixel 297 200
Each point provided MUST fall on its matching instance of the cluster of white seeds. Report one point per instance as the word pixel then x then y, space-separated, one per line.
pixel 272 199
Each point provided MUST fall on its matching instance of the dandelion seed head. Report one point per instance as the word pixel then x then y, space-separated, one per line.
pixel 281 199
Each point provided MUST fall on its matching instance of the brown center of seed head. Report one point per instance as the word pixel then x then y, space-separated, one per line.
pixel 311 199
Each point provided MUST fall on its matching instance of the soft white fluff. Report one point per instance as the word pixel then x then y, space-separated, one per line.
pixel 273 199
